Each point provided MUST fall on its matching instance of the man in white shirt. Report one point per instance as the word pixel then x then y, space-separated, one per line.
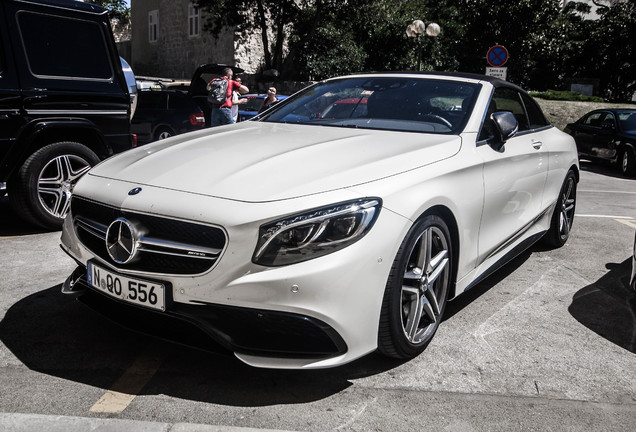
pixel 236 101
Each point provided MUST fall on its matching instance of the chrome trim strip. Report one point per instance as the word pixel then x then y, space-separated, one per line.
pixel 78 112
pixel 178 246
pixel 512 239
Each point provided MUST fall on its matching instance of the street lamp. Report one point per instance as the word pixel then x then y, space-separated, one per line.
pixel 415 29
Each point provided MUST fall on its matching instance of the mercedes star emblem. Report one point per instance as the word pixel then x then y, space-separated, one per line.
pixel 121 241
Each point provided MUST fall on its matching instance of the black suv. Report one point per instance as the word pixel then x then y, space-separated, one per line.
pixel 65 102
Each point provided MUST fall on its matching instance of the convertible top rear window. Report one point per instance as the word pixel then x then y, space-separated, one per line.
pixel 395 103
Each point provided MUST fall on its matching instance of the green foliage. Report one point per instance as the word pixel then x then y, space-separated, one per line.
pixel 612 52
pixel 565 95
pixel 549 41
pixel 118 9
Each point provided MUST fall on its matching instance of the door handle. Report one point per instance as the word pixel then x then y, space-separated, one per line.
pixel 537 144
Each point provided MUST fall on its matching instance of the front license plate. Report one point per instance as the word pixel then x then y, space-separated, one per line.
pixel 131 290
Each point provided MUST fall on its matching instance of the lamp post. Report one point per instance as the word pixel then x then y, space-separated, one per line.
pixel 415 29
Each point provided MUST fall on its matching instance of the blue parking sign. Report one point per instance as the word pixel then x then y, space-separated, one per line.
pixel 497 56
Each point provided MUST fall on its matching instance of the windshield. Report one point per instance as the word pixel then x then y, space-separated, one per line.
pixel 388 103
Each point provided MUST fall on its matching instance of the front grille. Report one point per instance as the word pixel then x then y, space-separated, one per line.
pixel 167 246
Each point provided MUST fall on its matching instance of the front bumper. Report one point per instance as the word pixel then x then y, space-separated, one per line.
pixel 218 328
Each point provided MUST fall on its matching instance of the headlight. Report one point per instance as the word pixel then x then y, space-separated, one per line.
pixel 315 233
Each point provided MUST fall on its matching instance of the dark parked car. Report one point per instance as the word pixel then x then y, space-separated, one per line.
pixel 65 102
pixel 164 113
pixel 254 101
pixel 607 135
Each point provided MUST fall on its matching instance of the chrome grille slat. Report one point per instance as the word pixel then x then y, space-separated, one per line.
pixel 92 227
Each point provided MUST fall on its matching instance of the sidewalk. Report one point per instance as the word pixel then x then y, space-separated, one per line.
pixel 52 423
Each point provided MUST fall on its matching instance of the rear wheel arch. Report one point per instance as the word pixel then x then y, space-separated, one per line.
pixel 39 134
pixel 83 134
pixel 161 130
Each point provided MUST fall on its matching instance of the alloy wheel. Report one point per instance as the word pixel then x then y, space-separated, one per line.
pixel 566 216
pixel 56 182
pixel 424 285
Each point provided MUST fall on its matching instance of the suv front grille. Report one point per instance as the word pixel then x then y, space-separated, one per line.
pixel 166 246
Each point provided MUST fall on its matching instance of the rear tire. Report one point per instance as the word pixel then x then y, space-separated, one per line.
pixel 417 290
pixel 563 215
pixel 40 191
pixel 163 133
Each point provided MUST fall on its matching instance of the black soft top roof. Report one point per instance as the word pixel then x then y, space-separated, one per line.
pixel 496 82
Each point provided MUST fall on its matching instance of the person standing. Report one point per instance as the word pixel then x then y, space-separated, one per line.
pixel 236 101
pixel 221 113
pixel 269 100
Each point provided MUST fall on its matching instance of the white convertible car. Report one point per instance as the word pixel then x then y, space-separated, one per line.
pixel 337 223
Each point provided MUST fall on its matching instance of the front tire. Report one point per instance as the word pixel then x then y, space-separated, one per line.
pixel 628 163
pixel 563 216
pixel 417 290
pixel 41 189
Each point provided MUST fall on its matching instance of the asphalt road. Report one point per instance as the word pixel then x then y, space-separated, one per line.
pixel 547 343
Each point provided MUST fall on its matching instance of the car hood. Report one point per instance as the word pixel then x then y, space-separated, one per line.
pixel 259 162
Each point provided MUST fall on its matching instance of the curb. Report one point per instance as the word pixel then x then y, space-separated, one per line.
pixel 11 422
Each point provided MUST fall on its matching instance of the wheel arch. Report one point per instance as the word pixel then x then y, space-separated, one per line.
pixel 575 169
pixel 451 222
pixel 39 134
pixel 162 126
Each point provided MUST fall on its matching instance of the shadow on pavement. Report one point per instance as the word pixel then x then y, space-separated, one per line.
pixel 12 224
pixel 456 305
pixel 604 168
pixel 608 307
pixel 57 335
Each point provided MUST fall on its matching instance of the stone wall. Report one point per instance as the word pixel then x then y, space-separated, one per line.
pixel 175 54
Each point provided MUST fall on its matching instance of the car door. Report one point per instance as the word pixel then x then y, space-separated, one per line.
pixel 586 132
pixel 602 144
pixel 10 99
pixel 514 176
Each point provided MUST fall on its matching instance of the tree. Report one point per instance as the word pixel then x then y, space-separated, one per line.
pixel 119 14
pixel 611 54
pixel 117 9
pixel 549 41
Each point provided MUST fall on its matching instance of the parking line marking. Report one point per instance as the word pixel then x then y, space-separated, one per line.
pixel 606 191
pixel 604 216
pixel 126 388
pixel 629 223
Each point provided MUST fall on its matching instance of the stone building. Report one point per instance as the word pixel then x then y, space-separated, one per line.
pixel 168 41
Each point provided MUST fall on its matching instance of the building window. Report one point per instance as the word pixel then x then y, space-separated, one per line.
pixel 153 25
pixel 194 19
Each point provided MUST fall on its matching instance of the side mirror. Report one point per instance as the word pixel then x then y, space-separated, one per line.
pixel 506 126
